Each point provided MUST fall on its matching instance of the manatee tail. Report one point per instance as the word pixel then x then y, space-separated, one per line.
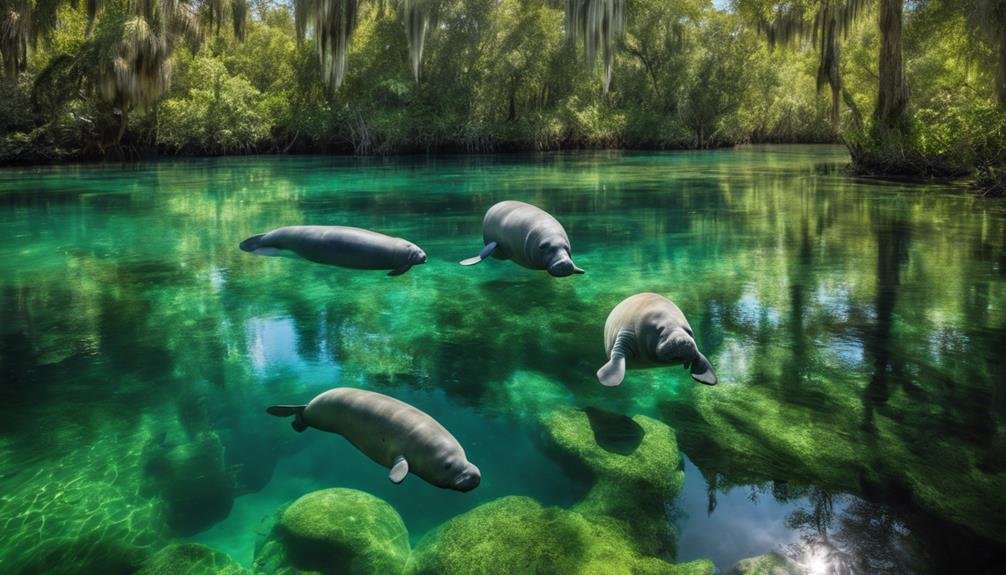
pixel 488 249
pixel 297 411
pixel 251 244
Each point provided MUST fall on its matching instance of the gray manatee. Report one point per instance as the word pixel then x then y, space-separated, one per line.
pixel 390 432
pixel 527 235
pixel 338 246
pixel 648 330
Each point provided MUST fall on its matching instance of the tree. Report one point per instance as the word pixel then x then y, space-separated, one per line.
pixel 22 24
pixel 821 21
pixel 989 16
pixel 890 115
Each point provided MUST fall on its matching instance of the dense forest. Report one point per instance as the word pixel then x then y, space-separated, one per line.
pixel 911 86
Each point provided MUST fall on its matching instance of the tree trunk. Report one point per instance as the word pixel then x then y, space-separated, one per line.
pixel 123 121
pixel 1001 74
pixel 892 98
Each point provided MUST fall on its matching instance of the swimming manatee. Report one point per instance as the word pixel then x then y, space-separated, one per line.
pixel 390 432
pixel 648 330
pixel 527 235
pixel 341 246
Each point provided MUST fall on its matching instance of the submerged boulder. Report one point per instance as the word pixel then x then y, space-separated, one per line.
pixel 190 559
pixel 633 464
pixel 191 478
pixel 767 564
pixel 517 535
pixel 335 531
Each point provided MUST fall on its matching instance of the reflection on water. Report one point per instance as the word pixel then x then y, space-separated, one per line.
pixel 856 327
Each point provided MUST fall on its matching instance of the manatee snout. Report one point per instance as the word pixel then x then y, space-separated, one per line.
pixel 468 479
pixel 251 244
pixel 678 347
pixel 563 266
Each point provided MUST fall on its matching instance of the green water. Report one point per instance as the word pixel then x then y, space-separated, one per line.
pixel 857 328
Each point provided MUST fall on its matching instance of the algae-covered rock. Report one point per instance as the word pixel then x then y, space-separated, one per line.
pixel 335 531
pixel 767 564
pixel 192 480
pixel 634 465
pixel 517 535
pixel 190 559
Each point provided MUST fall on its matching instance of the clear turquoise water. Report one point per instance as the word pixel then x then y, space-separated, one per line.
pixel 857 328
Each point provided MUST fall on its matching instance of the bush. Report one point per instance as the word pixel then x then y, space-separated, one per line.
pixel 223 114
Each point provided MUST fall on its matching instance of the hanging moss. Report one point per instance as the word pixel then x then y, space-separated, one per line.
pixel 600 25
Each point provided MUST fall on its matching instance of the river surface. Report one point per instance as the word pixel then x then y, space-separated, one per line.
pixel 858 329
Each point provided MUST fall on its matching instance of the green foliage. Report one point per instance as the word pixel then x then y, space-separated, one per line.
pixel 488 75
pixel 226 114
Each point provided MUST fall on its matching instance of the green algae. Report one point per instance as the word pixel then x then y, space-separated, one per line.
pixel 193 482
pixel 517 535
pixel 768 564
pixel 629 491
pixel 83 512
pixel 335 531
pixel 190 559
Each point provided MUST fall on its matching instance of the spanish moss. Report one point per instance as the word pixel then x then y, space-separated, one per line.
pixel 418 16
pixel 600 24
pixel 334 22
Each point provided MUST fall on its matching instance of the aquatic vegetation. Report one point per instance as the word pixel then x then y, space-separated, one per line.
pixel 517 535
pixel 750 435
pixel 190 559
pixel 192 480
pixel 634 465
pixel 335 531
pixel 767 564
pixel 82 511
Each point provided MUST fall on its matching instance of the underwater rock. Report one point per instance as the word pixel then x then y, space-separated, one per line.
pixel 768 564
pixel 634 464
pixel 190 559
pixel 335 531
pixel 196 487
pixel 517 535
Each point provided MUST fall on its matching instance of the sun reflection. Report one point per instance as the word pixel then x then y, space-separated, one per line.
pixel 819 558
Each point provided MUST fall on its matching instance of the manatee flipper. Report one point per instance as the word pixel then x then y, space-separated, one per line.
pixel 400 271
pixel 297 411
pixel 702 370
pixel 613 372
pixel 399 470
pixel 488 249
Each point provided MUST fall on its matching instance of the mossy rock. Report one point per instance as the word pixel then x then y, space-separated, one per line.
pixel 191 559
pixel 767 564
pixel 335 531
pixel 517 535
pixel 634 465
pixel 193 481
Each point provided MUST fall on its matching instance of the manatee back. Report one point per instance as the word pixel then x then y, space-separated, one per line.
pixel 380 426
pixel 343 246
pixel 518 228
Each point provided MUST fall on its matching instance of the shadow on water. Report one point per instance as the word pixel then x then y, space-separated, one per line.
pixel 614 432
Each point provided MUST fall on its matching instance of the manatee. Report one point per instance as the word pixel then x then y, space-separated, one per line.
pixel 527 235
pixel 338 246
pixel 390 432
pixel 648 330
